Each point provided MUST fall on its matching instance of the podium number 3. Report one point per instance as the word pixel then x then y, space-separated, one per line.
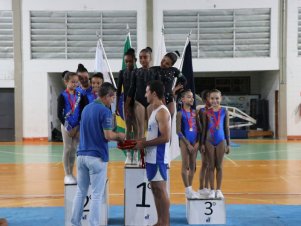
pixel 209 208
pixel 143 185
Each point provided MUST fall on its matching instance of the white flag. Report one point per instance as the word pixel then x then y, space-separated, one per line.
pixel 100 64
pixel 161 51
pixel 174 146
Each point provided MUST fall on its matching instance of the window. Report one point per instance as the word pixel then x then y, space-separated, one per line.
pixel 6 35
pixel 72 34
pixel 299 31
pixel 220 33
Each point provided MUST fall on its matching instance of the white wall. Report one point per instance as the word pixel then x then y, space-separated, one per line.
pixel 6 65
pixel 242 64
pixel 35 72
pixel 293 71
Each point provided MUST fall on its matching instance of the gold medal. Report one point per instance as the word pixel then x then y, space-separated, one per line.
pixel 190 129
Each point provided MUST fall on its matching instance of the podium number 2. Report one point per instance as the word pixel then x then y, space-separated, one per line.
pixel 209 208
pixel 86 203
pixel 143 185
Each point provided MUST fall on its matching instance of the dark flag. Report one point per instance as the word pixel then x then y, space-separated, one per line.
pixel 187 70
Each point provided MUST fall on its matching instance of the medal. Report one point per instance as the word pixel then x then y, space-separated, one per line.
pixel 216 121
pixel 189 120
pixel 71 100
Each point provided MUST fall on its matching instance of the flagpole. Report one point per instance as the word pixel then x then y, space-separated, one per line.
pixel 182 59
pixel 106 59
pixel 129 33
pixel 183 54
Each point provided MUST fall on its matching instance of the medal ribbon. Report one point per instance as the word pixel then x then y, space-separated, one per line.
pixel 189 120
pixel 71 101
pixel 218 119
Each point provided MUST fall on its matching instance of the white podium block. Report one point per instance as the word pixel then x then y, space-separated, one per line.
pixel 205 211
pixel 139 205
pixel 70 191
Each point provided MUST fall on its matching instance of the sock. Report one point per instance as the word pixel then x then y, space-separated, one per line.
pixel 188 189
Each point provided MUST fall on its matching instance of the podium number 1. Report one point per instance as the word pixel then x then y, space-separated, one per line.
pixel 143 185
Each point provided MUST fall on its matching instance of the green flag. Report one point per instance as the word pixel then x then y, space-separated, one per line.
pixel 127 45
pixel 120 118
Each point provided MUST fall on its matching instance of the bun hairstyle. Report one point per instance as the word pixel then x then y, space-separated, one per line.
pixel 173 56
pixel 81 68
pixel 63 74
pixel 98 75
pixel 68 75
pixel 147 50
pixel 131 52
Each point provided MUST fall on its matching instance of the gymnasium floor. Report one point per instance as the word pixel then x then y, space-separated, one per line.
pixel 264 173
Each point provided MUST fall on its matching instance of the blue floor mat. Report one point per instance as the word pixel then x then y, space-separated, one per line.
pixel 238 215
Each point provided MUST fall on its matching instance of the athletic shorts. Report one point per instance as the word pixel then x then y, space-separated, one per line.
pixel 156 172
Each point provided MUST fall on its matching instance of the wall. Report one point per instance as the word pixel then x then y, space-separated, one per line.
pixel 35 104
pixel 293 72
pixel 242 64
pixel 6 65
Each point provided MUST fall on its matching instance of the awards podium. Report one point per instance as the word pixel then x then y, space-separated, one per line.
pixel 70 191
pixel 205 211
pixel 139 206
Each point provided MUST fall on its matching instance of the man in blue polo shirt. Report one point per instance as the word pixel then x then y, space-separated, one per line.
pixel 92 153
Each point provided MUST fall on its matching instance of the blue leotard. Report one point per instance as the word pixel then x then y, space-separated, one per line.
pixel 190 135
pixel 216 126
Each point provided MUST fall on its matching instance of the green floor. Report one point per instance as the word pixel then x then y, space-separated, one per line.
pixel 53 153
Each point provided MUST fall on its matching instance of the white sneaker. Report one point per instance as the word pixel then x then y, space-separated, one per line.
pixel 192 195
pixel 219 194
pixel 135 158
pixel 211 194
pixel 69 179
pixel 128 160
pixel 204 192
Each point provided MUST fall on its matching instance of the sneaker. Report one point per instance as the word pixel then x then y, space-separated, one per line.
pixel 69 179
pixel 219 194
pixel 128 160
pixel 192 195
pixel 204 192
pixel 211 194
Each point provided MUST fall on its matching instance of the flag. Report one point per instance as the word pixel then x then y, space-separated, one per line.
pixel 120 119
pixel 100 64
pixel 127 46
pixel 161 51
pixel 187 70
